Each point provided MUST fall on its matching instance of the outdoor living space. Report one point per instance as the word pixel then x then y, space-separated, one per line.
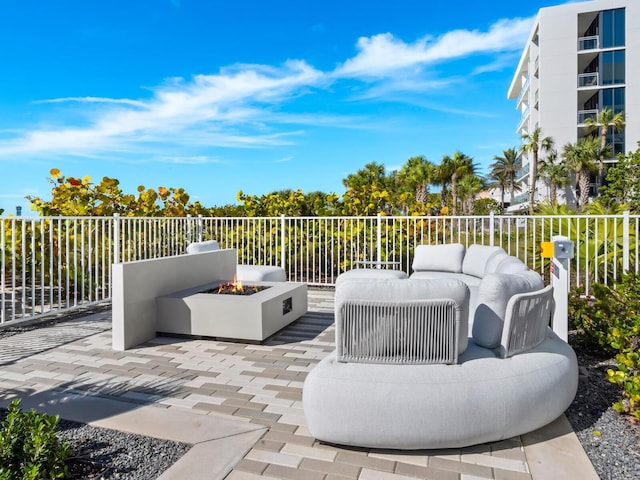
pixel 249 398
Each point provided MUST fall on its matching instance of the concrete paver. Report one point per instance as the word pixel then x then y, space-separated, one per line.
pixel 243 401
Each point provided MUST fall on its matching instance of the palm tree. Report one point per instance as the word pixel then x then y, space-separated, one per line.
pixel 417 173
pixel 583 157
pixel 457 166
pixel 556 175
pixel 469 186
pixel 507 166
pixel 603 121
pixel 533 143
pixel 498 179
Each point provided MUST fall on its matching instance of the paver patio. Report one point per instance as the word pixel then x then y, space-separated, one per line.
pixel 256 384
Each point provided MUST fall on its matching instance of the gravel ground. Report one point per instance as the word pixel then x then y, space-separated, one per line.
pixel 611 441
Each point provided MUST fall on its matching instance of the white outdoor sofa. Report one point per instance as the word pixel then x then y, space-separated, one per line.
pixel 405 373
pixel 244 273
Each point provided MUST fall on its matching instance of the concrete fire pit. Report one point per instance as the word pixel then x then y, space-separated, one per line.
pixel 252 317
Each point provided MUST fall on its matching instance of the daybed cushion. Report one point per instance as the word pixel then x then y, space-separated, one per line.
pixel 412 289
pixel 206 246
pixel 440 258
pixel 476 258
pixel 491 303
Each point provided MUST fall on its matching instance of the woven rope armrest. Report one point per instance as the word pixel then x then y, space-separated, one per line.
pixel 526 322
pixel 402 332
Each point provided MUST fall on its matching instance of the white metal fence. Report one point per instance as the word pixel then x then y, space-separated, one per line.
pixel 52 264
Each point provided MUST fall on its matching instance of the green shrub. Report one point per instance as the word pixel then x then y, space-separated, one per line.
pixel 610 320
pixel 30 448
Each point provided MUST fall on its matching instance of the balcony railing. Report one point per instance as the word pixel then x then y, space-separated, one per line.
pixel 55 264
pixel 584 115
pixel 588 43
pixel 523 171
pixel 588 79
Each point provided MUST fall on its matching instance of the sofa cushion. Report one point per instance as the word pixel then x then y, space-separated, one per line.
pixel 260 273
pixel 468 279
pixel 441 258
pixel 493 261
pixel 491 303
pixel 370 273
pixel 476 258
pixel 206 246
pixel 511 265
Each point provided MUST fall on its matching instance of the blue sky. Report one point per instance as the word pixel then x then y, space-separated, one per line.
pixel 217 96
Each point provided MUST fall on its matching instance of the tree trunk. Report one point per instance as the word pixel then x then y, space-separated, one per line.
pixel 583 184
pixel 454 194
pixel 603 144
pixel 533 173
pixel 421 195
pixel 552 192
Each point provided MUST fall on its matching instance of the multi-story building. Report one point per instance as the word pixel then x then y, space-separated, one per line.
pixel 579 58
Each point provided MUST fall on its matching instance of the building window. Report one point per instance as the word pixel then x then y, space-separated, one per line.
pixel 613 98
pixel 612 68
pixel 612 28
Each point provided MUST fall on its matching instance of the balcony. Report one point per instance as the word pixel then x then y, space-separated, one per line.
pixel 584 115
pixel 536 99
pixel 523 90
pixel 536 67
pixel 589 43
pixel 523 119
pixel 522 172
pixel 588 79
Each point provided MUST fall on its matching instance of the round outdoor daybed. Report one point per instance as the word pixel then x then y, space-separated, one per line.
pixel 481 399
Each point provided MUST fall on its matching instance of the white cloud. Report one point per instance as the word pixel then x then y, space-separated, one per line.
pixel 214 110
pixel 383 54
pixel 284 159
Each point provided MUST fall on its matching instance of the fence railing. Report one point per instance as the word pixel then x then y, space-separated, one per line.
pixel 52 264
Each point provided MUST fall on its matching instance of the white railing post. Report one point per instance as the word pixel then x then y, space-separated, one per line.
pixel 199 228
pixel 189 239
pixel 491 227
pixel 283 242
pixel 625 241
pixel 116 238
pixel 379 242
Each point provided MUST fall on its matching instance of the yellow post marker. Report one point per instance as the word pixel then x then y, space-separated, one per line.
pixel 546 249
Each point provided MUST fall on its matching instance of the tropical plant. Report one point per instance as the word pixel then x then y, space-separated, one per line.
pixel 555 174
pixel 623 181
pixel 533 144
pixel 457 166
pixel 582 157
pixel 417 173
pixel 368 190
pixel 468 187
pixel 603 121
pixel 505 169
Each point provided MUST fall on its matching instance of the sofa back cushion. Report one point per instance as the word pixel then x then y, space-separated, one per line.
pixel 511 265
pixel 491 303
pixel 476 258
pixel 404 290
pixel 441 258
pixel 206 246
pixel 494 261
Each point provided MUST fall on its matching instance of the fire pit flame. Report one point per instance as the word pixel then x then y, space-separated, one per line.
pixel 236 287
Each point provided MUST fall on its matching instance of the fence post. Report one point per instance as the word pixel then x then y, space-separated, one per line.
pixel 379 242
pixel 283 242
pixel 491 227
pixel 189 229
pixel 625 241
pixel 199 228
pixel 116 238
